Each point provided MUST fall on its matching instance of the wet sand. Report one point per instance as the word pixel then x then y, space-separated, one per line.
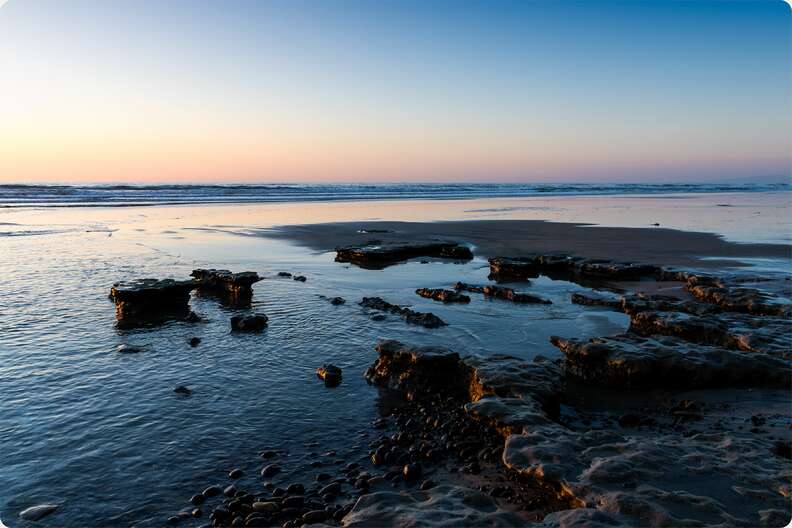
pixel 665 247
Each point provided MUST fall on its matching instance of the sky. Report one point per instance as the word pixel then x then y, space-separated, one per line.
pixel 146 91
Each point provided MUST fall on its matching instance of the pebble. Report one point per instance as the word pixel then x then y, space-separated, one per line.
pixel 181 389
pixel 334 489
pixel 195 341
pixel 266 507
pixel 267 454
pixel 230 491
pixel 315 516
pixel 129 349
pixel 270 470
pixel 212 491
pixel 299 278
pixel 322 476
pixel 236 473
pixel 197 499
pixel 295 489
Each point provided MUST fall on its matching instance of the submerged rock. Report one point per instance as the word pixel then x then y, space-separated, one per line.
pixel 128 348
pixel 428 320
pixel 500 292
pixel 337 301
pixel 195 341
pixel 249 323
pixel 151 301
pixel 34 513
pixel 181 389
pixel 439 294
pixel 330 374
pixel 378 256
pixel 299 278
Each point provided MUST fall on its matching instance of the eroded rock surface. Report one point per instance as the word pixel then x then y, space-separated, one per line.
pixel 443 506
pixel 234 288
pixel 503 269
pixel 425 319
pixel 151 301
pixel 500 292
pixel 249 323
pixel 378 256
pixel 633 361
pixel 445 296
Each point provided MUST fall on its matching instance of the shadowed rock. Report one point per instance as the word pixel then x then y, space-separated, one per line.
pixel 330 374
pixel 249 323
pixel 378 256
pixel 500 292
pixel 427 320
pixel 439 294
pixel 231 288
pixel 567 267
pixel 735 299
pixel 151 301
pixel 633 361
pixel 34 513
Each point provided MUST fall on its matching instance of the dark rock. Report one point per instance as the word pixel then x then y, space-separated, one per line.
pixel 427 484
pixel 284 274
pixel 295 489
pixel 151 301
pixel 230 491
pixel 197 512
pixel 377 317
pixel 499 292
pixel 337 301
pixel 181 389
pixel 567 267
pixel 231 288
pixel 411 472
pixel 330 374
pixel 212 491
pixel 445 296
pixel 195 341
pixel 270 470
pixel 331 489
pixel 427 320
pixel 295 501
pixel 197 499
pixel 268 454
pixel 127 348
pixel 249 323
pixel 783 449
pixel 380 256
pixel 322 476
pixel 633 361
pixel 235 473
pixel 299 278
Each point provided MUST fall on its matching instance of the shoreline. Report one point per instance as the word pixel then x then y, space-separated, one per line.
pixel 512 238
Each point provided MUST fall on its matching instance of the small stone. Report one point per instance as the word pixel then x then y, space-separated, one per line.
pixel 284 274
pixel 197 499
pixel 235 473
pixel 249 323
pixel 295 489
pixel 230 491
pixel 195 341
pixel 322 476
pixel 330 374
pixel 270 470
pixel 197 512
pixel 337 301
pixel 266 507
pixel 295 501
pixel 332 489
pixel 299 278
pixel 181 389
pixel 267 454
pixel 212 491
pixel 129 349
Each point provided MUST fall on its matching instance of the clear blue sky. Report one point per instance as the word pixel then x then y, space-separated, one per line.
pixel 349 90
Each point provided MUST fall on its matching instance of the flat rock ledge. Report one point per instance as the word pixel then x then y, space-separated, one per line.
pixel 379 255
pixel 425 319
pixel 567 267
pixel 151 301
pixel 234 288
pixel 609 477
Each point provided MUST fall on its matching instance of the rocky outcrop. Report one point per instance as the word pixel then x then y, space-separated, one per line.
pixel 427 320
pixel 378 256
pixel 567 267
pixel 442 506
pixel 249 323
pixel 232 288
pixel 445 296
pixel 500 292
pixel 734 298
pixel 417 371
pixel 633 361
pixel 151 301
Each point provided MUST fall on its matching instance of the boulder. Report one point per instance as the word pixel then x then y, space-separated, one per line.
pixel 34 513
pixel 330 374
pixel 445 296
pixel 151 301
pixel 231 288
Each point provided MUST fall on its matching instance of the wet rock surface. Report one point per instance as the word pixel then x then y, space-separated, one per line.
pixel 378 255
pixel 231 288
pixel 35 513
pixel 425 319
pixel 330 374
pixel 501 292
pixel 249 323
pixel 567 267
pixel 144 302
pixel 445 296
